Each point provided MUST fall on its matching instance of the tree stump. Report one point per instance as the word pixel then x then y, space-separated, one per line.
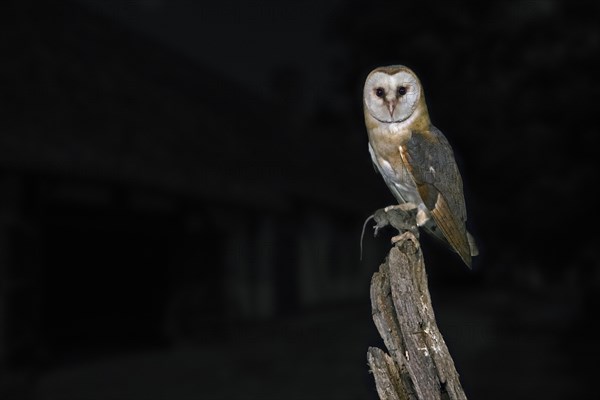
pixel 418 365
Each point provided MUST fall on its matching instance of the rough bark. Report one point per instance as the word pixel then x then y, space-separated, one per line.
pixel 419 365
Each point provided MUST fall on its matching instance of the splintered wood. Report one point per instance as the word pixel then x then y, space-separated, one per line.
pixel 419 365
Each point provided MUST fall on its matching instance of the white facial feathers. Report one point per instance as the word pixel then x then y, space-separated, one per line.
pixel 391 97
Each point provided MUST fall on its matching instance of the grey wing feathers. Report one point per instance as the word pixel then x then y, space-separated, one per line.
pixel 433 164
pixel 434 169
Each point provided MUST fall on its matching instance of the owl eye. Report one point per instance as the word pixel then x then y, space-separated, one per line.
pixel 379 92
pixel 401 91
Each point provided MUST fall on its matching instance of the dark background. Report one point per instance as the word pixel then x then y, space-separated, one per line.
pixel 182 188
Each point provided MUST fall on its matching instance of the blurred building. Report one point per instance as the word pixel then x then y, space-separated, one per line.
pixel 144 198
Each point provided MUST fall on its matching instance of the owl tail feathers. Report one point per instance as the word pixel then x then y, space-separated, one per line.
pixel 472 245
pixel 465 254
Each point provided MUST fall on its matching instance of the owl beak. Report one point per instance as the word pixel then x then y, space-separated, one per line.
pixel 391 107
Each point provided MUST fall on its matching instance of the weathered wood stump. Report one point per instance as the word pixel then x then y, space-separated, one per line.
pixel 419 365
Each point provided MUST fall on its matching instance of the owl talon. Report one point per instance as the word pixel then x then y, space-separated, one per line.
pixel 399 216
pixel 407 235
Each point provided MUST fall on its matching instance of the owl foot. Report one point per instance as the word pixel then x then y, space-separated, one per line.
pixel 407 235
pixel 403 217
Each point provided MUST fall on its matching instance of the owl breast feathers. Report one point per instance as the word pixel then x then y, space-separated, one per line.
pixel 414 157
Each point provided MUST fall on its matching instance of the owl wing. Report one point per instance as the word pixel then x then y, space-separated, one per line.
pixel 430 159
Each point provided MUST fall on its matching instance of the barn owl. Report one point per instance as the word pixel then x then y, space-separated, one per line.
pixel 414 157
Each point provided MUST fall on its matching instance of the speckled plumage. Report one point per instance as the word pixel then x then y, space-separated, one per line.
pixel 414 157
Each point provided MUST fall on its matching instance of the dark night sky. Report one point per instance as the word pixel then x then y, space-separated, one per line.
pixel 246 41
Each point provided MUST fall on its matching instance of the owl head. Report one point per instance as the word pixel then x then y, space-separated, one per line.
pixel 392 94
